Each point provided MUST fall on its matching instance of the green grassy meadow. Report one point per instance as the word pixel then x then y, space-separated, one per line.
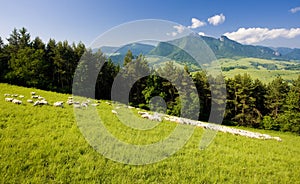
pixel 42 144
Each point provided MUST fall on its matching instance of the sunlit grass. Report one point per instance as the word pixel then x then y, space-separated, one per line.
pixel 44 144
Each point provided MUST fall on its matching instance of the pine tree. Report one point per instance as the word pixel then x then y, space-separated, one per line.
pixel 128 58
pixel 275 97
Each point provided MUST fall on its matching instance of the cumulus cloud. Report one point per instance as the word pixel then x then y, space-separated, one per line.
pixel 295 10
pixel 196 23
pixel 255 35
pixel 179 29
pixel 216 20
pixel 201 34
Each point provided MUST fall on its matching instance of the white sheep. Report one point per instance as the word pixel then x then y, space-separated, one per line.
pixel 43 102
pixel 21 96
pixel 30 101
pixel 15 101
pixel 84 104
pixel 40 102
pixel 59 104
pixel 9 99
pixel 36 103
pixel 32 93
pixel 6 94
pixel 114 111
pixel 70 102
pixel 155 117
pixel 41 98
pixel 94 105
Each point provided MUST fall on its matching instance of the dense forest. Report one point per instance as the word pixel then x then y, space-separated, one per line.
pixel 51 66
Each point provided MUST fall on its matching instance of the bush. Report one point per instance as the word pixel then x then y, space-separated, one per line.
pixel 269 124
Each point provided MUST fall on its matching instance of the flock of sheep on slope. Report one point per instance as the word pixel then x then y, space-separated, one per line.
pixel 39 100
pixel 211 126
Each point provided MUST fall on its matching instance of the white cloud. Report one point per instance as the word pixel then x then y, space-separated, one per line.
pixel 216 20
pixel 255 35
pixel 179 29
pixel 295 10
pixel 201 34
pixel 196 23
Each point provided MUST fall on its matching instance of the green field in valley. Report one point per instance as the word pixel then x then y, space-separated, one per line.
pixel 42 144
pixel 262 69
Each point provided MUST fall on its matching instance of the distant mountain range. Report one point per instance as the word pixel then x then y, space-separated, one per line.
pixel 222 48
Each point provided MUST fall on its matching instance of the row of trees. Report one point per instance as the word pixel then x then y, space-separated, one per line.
pixel 51 66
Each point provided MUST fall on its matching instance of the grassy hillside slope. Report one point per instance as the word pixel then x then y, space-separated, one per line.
pixel 43 144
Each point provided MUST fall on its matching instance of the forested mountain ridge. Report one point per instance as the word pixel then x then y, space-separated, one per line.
pixel 222 48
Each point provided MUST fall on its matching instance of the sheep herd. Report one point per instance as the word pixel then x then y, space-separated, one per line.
pixel 211 126
pixel 38 100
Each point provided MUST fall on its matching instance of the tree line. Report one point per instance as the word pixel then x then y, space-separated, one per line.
pixel 51 66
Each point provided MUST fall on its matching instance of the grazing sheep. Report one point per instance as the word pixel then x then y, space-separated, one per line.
pixel 114 112
pixel 32 93
pixel 130 107
pixel 30 101
pixel 9 99
pixel 94 105
pixel 84 104
pixel 15 101
pixel 58 104
pixel 156 117
pixel 15 95
pixel 40 102
pixel 36 103
pixel 6 94
pixel 21 96
pixel 43 102
pixel 70 102
pixel 35 96
pixel 147 116
pixel 108 103
pixel 41 98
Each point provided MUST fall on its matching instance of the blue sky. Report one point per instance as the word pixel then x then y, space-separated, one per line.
pixel 258 22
